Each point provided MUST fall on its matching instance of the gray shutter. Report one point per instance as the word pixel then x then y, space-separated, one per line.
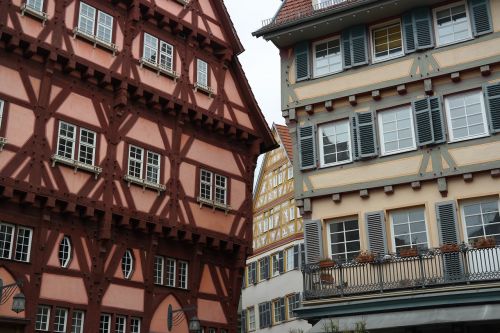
pixel 422 20
pixel 307 147
pixel 282 308
pixel 492 93
pixel 375 224
pixel 359 46
pixel 296 256
pixel 438 127
pixel 366 135
pixel 254 272
pixel 243 321
pixel 281 265
pixel 355 142
pixel 302 61
pixel 313 241
pixel 346 48
pixel 423 122
pixel 480 17
pixel 409 33
pixel 448 233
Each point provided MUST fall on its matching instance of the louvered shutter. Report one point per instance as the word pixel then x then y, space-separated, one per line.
pixel 367 140
pixel 359 46
pixel 307 147
pixel 492 93
pixel 296 251
pixel 355 142
pixel 254 272
pixel 423 28
pixel 313 241
pixel 302 61
pixel 346 48
pixel 480 17
pixel 375 224
pixel 448 233
pixel 423 122
pixel 243 321
pixel 409 33
pixel 281 267
pixel 438 127
pixel 282 308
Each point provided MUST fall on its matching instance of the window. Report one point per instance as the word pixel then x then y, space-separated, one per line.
pixel 77 322
pixel 201 73
pixel 466 116
pixel 127 264
pixel 344 240
pixel 35 4
pixel 327 57
pixel 279 310
pixel 481 219
pixel 170 276
pixel 206 187
pixel 64 251
pixel 22 245
pixel 105 323
pixel 159 266
pixel 60 319
pixel 136 161
pixel 290 173
pixel 183 274
pixel 42 318
pixel 452 23
pixel 293 303
pixel 396 130
pixel 277 263
pixel 292 210
pixel 120 324
pixel 264 269
pixel 252 273
pixel 158 52
pixel 335 142
pixel 409 229
pixel 103 30
pixel 387 42
pixel 251 318
pixel 2 103
pixel 264 315
pixel 135 325
pixel 67 140
pixel 290 262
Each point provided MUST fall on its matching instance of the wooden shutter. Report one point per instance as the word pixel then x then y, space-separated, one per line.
pixel 307 147
pixel 302 61
pixel 423 122
pixel 492 93
pixel 438 127
pixel 254 272
pixel 282 308
pixel 267 267
pixel 346 48
pixel 313 241
pixel 409 33
pixel 281 266
pixel 296 252
pixel 422 21
pixel 355 142
pixel 480 17
pixel 375 224
pixel 355 46
pixel 448 233
pixel 367 140
pixel 243 321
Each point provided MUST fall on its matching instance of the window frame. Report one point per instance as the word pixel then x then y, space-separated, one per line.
pixel 13 250
pixel 320 143
pixel 160 276
pixel 323 41
pixel 329 238
pixel 388 57
pixel 120 324
pixel 180 283
pixel 205 85
pixel 129 256
pixel 144 164
pixel 45 316
pixel 277 304
pixel 67 261
pixel 250 327
pixel 451 138
pixel 138 321
pixel 158 53
pixel 2 111
pixel 64 324
pixel 169 272
pixel 213 187
pixel 381 134
pixel 40 10
pixel 288 267
pixel 77 142
pixel 476 201
pixel 435 24
pixel 81 324
pixel 109 323
pixel 407 210
pixel 95 23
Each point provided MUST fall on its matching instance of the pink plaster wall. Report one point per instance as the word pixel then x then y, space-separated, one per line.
pixel 212 220
pixel 231 90
pixel 6 309
pixel 187 177
pixel 123 297
pixel 5 157
pixel 207 284
pixel 205 152
pixel 54 255
pixel 158 322
pixel 20 126
pixel 110 255
pixel 143 198
pixel 243 118
pixel 151 78
pixel 11 83
pixel 63 288
pixel 206 8
pixel 211 311
pixel 79 107
pixel 217 31
pixel 237 193
pixel 74 181
pixel 30 26
pixel 147 131
pixel 221 280
pixel 137 275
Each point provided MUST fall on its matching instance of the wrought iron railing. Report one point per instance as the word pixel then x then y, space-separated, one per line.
pixel 429 269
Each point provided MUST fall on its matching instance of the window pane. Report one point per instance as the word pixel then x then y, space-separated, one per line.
pixel 409 229
pixel 150 48
pixel 336 143
pixel 344 239
pixel 452 24
pixel 104 27
pixel 6 238
pixel 135 162
pixel 467 115
pixel 387 41
pixel 396 127
pixel 86 19
pixel 328 58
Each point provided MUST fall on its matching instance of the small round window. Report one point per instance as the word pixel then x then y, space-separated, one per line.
pixel 127 264
pixel 65 252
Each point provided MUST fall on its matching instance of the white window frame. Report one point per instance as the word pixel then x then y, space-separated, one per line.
pixel 349 143
pixel 171 267
pixel 105 323
pixel 153 166
pixel 77 131
pixel 206 183
pixel 329 238
pixel 86 144
pixel 72 140
pixel 32 5
pixel 159 53
pixel 136 160
pixel 64 262
pixel 127 263
pixel 77 321
pixel 183 274
pixel 475 202
pixel 388 24
pixel 42 320
pixel 483 113
pixel 99 24
pixel 220 188
pixel 290 266
pixel 275 270
pixel 200 73
pixel 2 105
pixel 251 319
pixel 407 210
pixel 60 320
pixel 315 44
pixel 135 325
pixel 159 270
pixel 95 23
pixel 14 239
pixel 120 324
pixel 381 130
pixel 436 29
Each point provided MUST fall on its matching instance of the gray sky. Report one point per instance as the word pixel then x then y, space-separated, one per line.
pixel 261 59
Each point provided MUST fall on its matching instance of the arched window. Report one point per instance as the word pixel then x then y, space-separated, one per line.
pixel 65 252
pixel 127 264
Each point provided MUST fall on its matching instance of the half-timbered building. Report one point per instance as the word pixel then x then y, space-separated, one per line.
pixel 128 139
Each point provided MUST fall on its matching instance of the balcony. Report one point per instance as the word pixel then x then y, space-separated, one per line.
pixel 426 270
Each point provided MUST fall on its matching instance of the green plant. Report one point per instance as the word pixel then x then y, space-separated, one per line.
pixel 333 327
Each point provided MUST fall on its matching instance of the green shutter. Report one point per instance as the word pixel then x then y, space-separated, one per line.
pixel 313 241
pixel 281 265
pixel 367 140
pixel 422 21
pixel 243 321
pixel 346 48
pixel 448 233
pixel 437 120
pixel 296 256
pixel 409 33
pixel 355 142
pixel 307 147
pixel 355 46
pixel 480 17
pixel 492 93
pixel 423 122
pixel 375 224
pixel 302 61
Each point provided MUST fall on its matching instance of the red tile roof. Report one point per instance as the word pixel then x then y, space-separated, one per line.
pixel 286 140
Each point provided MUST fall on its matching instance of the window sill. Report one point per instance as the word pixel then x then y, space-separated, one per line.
pixel 214 205
pixel 204 88
pixel 3 142
pixel 96 41
pixel 145 184
pixel 383 154
pixel 386 58
pixel 335 164
pixel 159 69
pixel 438 45
pixel 76 164
pixel 469 138
pixel 25 9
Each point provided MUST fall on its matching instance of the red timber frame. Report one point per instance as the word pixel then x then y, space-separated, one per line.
pixel 96 225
